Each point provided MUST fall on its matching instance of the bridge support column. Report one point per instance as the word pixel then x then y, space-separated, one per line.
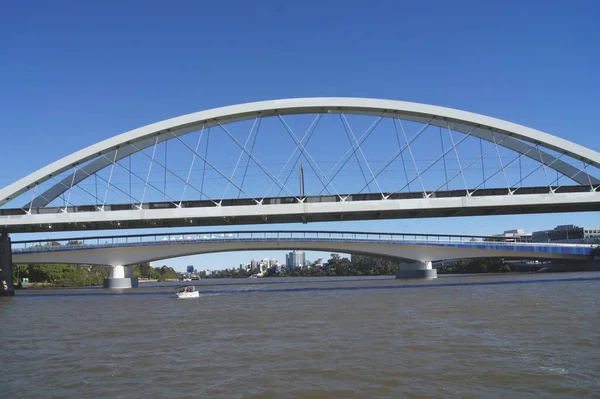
pixel 121 277
pixel 416 270
pixel 129 275
pixel 7 287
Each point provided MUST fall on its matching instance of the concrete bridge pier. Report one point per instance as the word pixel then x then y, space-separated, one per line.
pixel 416 270
pixel 7 287
pixel 120 277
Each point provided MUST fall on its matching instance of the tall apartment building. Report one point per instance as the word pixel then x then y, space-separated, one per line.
pixel 294 259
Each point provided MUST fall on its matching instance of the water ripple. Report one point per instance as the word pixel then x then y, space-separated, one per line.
pixel 525 336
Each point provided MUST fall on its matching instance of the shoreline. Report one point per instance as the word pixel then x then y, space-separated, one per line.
pixel 51 285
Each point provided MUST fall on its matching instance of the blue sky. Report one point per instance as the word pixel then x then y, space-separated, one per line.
pixel 73 73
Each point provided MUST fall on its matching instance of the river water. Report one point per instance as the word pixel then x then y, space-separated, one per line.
pixel 486 336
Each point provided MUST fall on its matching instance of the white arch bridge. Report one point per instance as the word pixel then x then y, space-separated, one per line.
pixel 415 251
pixel 306 160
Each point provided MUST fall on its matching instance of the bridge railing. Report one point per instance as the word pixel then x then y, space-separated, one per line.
pixel 60 244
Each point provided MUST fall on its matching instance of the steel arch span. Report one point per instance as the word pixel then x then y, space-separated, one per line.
pixel 46 199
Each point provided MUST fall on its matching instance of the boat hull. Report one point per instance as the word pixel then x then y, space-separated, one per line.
pixel 187 295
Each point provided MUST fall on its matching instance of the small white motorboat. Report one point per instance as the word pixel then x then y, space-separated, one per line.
pixel 187 292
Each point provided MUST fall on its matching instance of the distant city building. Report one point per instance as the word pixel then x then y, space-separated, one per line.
pixel 515 235
pixel 190 269
pixel 568 233
pixel 295 259
pixel 261 266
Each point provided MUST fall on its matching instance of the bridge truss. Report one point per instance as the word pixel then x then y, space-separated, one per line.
pixel 305 160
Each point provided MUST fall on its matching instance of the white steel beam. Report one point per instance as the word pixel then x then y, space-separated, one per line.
pixel 315 210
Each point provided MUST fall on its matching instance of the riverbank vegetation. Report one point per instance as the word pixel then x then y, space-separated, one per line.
pixel 60 275
pixel 357 265
pixel 66 275
pixel 361 265
pixel 473 266
pixel 162 273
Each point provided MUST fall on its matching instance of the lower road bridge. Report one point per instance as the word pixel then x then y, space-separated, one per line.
pixel 415 252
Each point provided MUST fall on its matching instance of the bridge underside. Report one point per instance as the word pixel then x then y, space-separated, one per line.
pixel 313 209
pixel 135 254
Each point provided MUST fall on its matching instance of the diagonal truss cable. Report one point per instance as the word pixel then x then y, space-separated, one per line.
pixel 520 169
pixel 502 167
pixel 482 160
pixel 112 168
pixel 126 196
pixel 352 144
pixel 145 181
pixel 130 191
pixel 500 159
pixel 65 201
pixel 444 159
pixel 419 174
pixel 400 151
pixel 70 190
pixel 412 157
pixel 583 170
pixel 204 159
pixel 28 210
pixel 467 168
pixel 248 160
pixel 256 161
pixel 348 154
pixel 153 160
pixel 215 169
pixel 588 175
pixel 457 160
pixel 311 162
pixel 349 129
pixel 165 174
pixel 240 157
pixel 33 192
pixel 571 177
pixel 187 179
pixel 304 139
pixel 544 166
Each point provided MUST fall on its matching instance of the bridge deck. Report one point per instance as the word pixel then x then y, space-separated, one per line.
pixel 566 249
pixel 313 209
